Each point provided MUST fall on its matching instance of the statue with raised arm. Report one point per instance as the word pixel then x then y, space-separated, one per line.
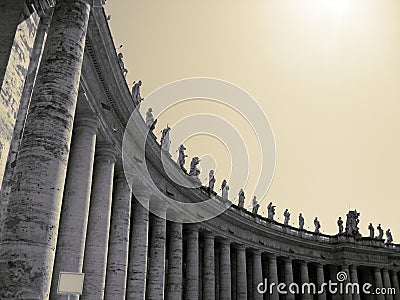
pixel 380 234
pixel 194 171
pixel 211 181
pixel 241 198
pixel 352 223
pixel 136 93
pixel 301 221
pixel 340 225
pixel 121 64
pixel 150 122
pixel 286 214
pixel 225 191
pixel 371 230
pixel 182 157
pixel 389 238
pixel 256 205
pixel 271 211
pixel 317 225
pixel 165 141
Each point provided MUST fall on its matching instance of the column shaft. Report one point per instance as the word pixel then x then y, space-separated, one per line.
pixel 333 270
pixel 209 267
pixel 386 283
pixel 192 263
pixel 288 277
pixel 30 229
pixel 225 270
pixel 174 288
pixel 257 274
pixel 118 246
pixel 273 276
pixel 137 268
pixel 378 282
pixel 304 279
pixel 97 237
pixel 354 279
pixel 347 294
pixel 395 284
pixel 156 276
pixel 320 281
pixel 75 207
pixel 241 274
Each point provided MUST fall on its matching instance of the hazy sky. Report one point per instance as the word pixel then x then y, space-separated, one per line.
pixel 326 73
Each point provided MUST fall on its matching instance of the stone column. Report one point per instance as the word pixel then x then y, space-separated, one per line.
pixel 354 279
pixel 395 284
pixel 192 263
pixel 304 279
pixel 118 246
pixel 257 274
pixel 320 280
pixel 225 270
pixel 346 295
pixel 137 268
pixel 30 230
pixel 288 276
pixel 386 283
pixel 75 207
pixel 378 282
pixel 96 249
pixel 273 276
pixel 209 267
pixel 241 273
pixel 174 288
pixel 333 270
pixel 217 272
pixel 156 276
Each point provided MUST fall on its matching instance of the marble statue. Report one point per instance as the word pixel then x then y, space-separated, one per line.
pixel 301 221
pixel 136 93
pixel 165 141
pixel 121 64
pixel 286 214
pixel 371 230
pixel 256 205
pixel 211 181
pixel 271 211
pixel 317 225
pixel 150 122
pixel 182 157
pixel 194 171
pixel 223 184
pixel 225 191
pixel 380 234
pixel 352 223
pixel 340 225
pixel 389 238
pixel 241 198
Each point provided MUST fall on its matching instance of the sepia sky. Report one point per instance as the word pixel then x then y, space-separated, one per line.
pixel 325 72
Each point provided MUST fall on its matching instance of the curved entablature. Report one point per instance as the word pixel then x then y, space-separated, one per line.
pixel 109 96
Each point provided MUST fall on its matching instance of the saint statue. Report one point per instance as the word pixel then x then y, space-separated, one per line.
pixel 181 157
pixel 256 205
pixel 194 171
pixel 150 122
pixel 286 214
pixel 271 211
pixel 136 93
pixel 371 230
pixel 352 223
pixel 389 238
pixel 340 225
pixel 121 64
pixel 241 198
pixel 225 191
pixel 301 221
pixel 380 234
pixel 211 181
pixel 317 225
pixel 165 141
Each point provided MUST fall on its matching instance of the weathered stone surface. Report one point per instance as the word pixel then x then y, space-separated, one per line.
pixel 241 284
pixel 174 287
pixel 257 274
pixel 304 278
pixel 208 267
pixel 30 227
pixel 320 280
pixel 225 270
pixel 137 269
pixel 117 262
pixel 97 236
pixel 192 262
pixel 378 282
pixel 75 207
pixel 273 275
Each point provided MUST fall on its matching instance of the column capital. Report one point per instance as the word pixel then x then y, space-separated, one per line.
pixel 256 251
pixel 241 247
pixel 225 242
pixel 287 259
pixel 86 121
pixel 208 235
pixel 105 151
